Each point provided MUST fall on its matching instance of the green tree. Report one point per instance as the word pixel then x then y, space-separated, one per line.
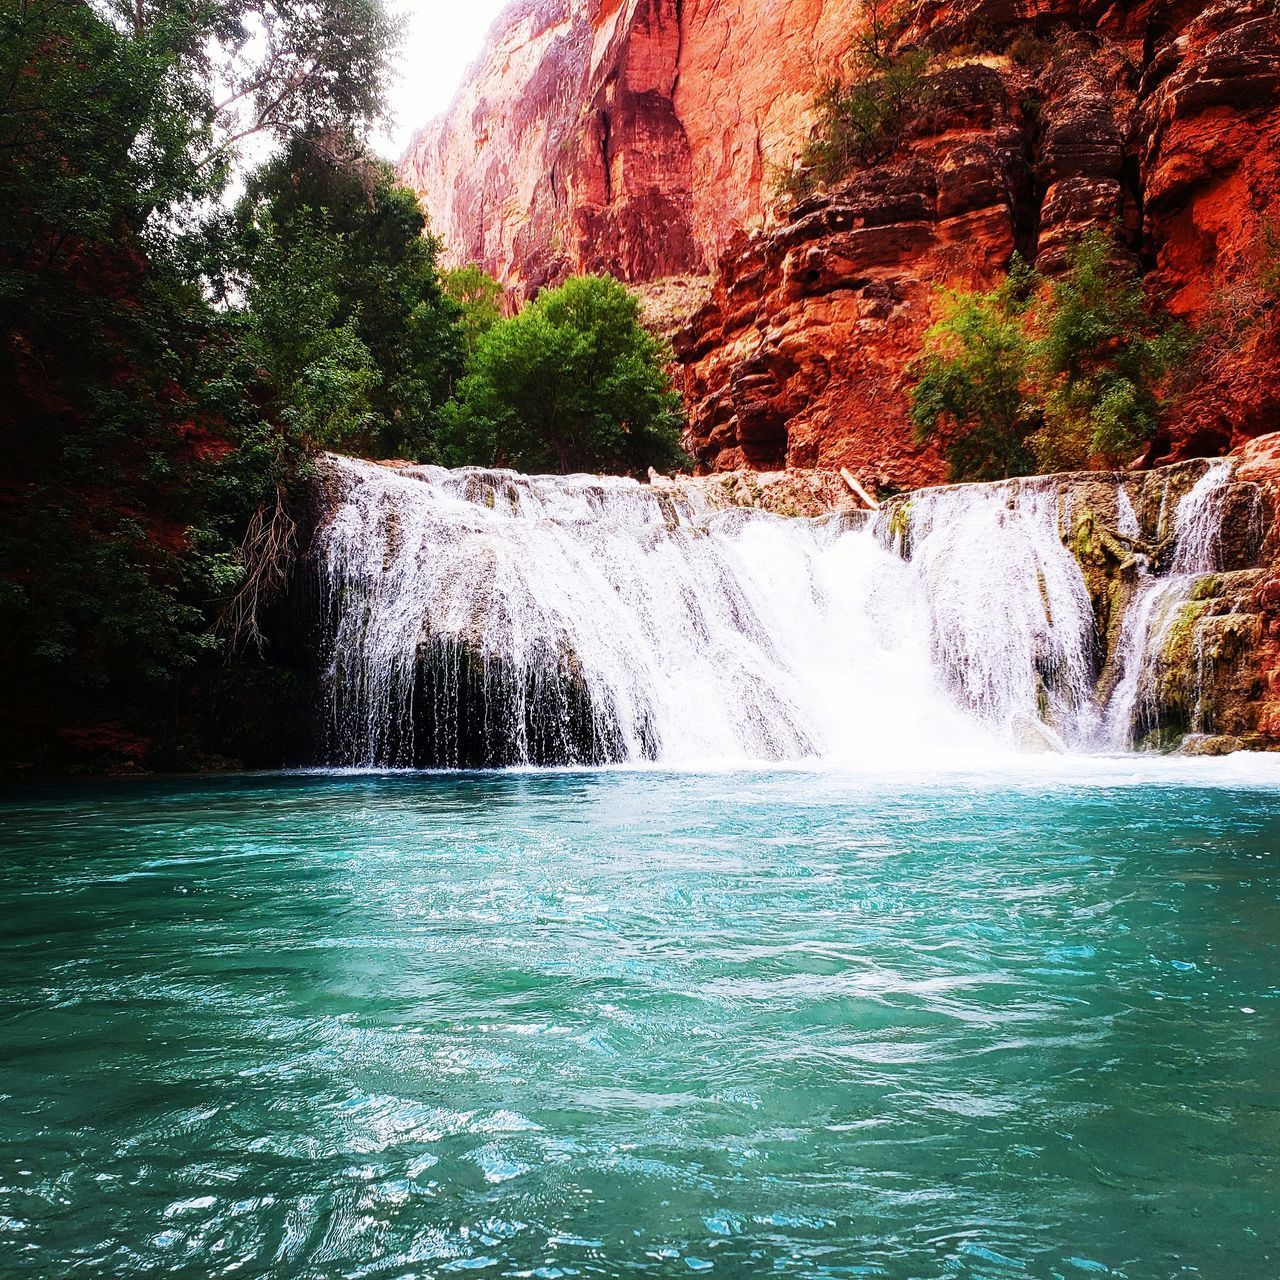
pixel 971 381
pixel 246 68
pixel 344 302
pixel 573 382
pixel 137 437
pixel 480 297
pixel 1070 372
pixel 304 340
pixel 103 339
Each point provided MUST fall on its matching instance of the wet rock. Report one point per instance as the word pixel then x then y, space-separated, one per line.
pixel 796 492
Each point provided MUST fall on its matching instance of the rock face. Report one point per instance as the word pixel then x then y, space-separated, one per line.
pixel 632 136
pixel 1213 680
pixel 563 151
pixel 1163 124
pixel 799 358
pixel 794 492
pixel 637 137
pixel 1255 706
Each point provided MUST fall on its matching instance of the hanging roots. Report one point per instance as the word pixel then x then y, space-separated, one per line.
pixel 267 554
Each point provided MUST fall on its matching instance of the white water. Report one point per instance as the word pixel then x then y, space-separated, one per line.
pixel 1154 609
pixel 1010 621
pixel 486 617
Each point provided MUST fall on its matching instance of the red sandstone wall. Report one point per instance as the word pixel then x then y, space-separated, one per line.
pixel 628 135
pixel 635 136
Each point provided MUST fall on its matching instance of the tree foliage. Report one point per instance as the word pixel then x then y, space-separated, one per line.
pixel 266 67
pixel 344 304
pixel 973 375
pixel 479 296
pixel 140 434
pixel 1047 375
pixel 571 383
pixel 110 379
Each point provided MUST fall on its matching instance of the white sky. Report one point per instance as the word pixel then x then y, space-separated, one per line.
pixel 442 39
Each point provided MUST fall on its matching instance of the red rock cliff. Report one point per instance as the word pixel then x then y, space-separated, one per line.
pixel 636 136
pixel 625 135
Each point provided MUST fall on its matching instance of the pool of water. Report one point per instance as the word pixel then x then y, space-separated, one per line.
pixel 644 1023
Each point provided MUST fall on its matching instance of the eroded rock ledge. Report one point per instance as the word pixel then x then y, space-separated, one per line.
pixel 798 492
pixel 1161 119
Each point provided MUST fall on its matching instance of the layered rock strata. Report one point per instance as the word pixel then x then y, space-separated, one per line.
pixel 638 136
pixel 1160 123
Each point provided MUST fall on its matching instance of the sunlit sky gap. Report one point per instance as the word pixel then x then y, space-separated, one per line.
pixel 442 38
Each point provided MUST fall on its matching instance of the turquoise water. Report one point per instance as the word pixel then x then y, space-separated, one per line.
pixel 637 1023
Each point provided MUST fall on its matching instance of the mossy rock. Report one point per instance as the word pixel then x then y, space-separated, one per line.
pixel 1180 635
pixel 1221 744
pixel 1164 739
pixel 1160 494
pixel 1207 587
pixel 1106 564
pixel 1244 522
pixel 1086 546
pixel 900 526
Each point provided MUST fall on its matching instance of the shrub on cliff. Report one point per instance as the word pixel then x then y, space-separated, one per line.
pixel 1244 300
pixel 860 119
pixel 573 382
pixel 1047 375
pixel 1102 353
pixel 973 377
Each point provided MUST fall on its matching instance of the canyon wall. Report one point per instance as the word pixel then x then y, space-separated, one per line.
pixel 640 137
pixel 632 136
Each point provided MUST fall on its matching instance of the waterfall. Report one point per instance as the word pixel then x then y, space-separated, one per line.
pixel 488 618
pixel 491 618
pixel 1158 601
pixel 1010 620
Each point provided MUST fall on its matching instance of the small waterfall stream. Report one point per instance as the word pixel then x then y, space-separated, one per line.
pixel 1154 607
pixel 488 618
pixel 1010 621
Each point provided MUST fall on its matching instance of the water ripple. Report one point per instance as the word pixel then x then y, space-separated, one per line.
pixel 635 1023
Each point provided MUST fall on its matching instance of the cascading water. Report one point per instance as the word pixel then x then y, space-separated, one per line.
pixel 1010 619
pixel 1157 601
pixel 489 618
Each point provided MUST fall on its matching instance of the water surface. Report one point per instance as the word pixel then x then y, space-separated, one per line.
pixel 643 1023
